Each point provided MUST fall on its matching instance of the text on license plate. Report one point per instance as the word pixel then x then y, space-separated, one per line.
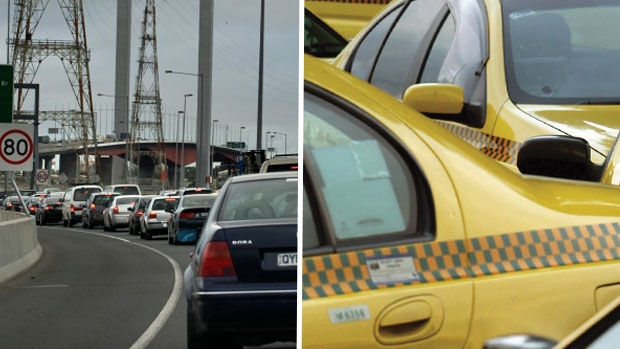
pixel 287 259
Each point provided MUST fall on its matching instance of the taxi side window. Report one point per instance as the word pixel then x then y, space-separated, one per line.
pixel 439 51
pixel 397 59
pixel 361 185
pixel 366 53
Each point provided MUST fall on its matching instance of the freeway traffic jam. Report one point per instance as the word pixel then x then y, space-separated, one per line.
pixel 244 265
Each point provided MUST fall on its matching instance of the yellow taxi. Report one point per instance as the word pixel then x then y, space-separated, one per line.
pixel 414 239
pixel 347 17
pixel 497 72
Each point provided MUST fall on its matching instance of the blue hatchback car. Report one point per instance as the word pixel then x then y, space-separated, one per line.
pixel 241 284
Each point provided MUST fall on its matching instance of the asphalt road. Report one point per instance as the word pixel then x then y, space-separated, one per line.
pixel 98 290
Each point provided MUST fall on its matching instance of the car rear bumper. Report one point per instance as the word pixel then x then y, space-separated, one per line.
pixel 265 312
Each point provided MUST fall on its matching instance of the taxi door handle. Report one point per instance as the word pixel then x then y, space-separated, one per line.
pixel 407 315
pixel 409 320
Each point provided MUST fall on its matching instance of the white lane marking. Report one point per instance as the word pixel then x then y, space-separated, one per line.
pixel 147 337
pixel 42 286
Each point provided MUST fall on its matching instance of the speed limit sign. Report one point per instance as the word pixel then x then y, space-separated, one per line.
pixel 42 176
pixel 16 147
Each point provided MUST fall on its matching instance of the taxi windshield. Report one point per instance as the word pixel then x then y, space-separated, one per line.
pixel 562 52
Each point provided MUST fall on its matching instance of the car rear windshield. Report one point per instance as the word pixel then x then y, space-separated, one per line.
pixel 103 199
pixel 127 190
pixel 83 193
pixel 261 199
pixel 163 204
pixel 198 201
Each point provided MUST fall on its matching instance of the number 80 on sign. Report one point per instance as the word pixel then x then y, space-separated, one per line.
pixel 16 147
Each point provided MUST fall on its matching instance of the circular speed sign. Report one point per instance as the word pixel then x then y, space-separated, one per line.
pixel 42 177
pixel 16 146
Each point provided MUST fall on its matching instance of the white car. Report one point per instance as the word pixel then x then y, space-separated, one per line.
pixel 154 221
pixel 116 215
pixel 73 202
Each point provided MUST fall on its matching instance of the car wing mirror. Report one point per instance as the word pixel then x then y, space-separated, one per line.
pixel 558 156
pixel 519 341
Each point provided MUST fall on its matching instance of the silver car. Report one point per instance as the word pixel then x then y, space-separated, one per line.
pixel 116 215
pixel 154 221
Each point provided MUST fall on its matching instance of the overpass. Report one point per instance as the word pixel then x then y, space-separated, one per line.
pixel 69 153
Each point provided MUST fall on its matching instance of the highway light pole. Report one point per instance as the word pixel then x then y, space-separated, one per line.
pixel 119 133
pixel 203 125
pixel 282 134
pixel 182 183
pixel 213 178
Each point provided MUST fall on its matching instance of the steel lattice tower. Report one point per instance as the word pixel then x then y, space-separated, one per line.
pixel 146 116
pixel 27 55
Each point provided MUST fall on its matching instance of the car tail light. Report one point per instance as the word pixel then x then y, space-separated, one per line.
pixel 115 209
pixel 48 207
pixel 9 205
pixel 186 215
pixel 216 260
pixel 140 213
pixel 72 209
pixel 92 206
pixel 152 215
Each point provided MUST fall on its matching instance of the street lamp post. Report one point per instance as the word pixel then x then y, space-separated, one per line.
pixel 201 120
pixel 241 139
pixel 282 134
pixel 182 181
pixel 127 155
pixel 212 152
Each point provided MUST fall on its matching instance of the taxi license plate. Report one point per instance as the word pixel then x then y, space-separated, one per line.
pixel 287 259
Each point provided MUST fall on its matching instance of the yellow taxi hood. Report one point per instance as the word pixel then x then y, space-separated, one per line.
pixel 597 124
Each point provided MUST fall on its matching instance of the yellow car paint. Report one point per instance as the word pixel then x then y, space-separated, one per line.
pixel 505 119
pixel 347 17
pixel 509 254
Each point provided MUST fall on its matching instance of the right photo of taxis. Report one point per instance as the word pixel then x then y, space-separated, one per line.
pixel 461 179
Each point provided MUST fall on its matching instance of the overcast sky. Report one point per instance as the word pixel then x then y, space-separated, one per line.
pixel 235 65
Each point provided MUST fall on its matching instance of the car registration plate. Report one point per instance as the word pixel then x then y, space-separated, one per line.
pixel 287 259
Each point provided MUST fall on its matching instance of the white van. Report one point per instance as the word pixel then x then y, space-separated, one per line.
pixel 123 189
pixel 73 202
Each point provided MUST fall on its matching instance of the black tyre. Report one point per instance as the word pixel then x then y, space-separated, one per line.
pixel 112 228
pixel 84 222
pixel 41 220
pixel 147 235
pixel 65 223
pixel 36 220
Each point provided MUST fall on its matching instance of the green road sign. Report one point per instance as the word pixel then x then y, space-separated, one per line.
pixel 6 93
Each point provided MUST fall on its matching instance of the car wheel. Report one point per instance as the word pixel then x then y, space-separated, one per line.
pixel 170 238
pixel 131 232
pixel 41 220
pixel 65 223
pixel 36 220
pixel 141 234
pixel 147 235
pixel 84 223
pixel 71 222
pixel 112 228
pixel 91 225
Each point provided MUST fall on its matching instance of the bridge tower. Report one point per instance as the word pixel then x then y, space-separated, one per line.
pixel 27 54
pixel 146 115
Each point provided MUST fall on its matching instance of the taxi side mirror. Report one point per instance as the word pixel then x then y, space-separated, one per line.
pixel 558 156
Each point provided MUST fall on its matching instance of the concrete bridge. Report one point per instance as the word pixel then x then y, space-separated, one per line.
pixel 113 155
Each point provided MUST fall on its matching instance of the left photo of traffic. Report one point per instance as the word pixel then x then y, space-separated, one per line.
pixel 149 174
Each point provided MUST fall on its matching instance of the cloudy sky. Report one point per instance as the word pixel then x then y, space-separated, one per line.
pixel 235 65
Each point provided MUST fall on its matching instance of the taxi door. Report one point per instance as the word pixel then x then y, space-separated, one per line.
pixel 379 269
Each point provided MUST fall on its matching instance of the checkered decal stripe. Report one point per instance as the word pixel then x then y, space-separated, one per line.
pixel 497 148
pixel 345 273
